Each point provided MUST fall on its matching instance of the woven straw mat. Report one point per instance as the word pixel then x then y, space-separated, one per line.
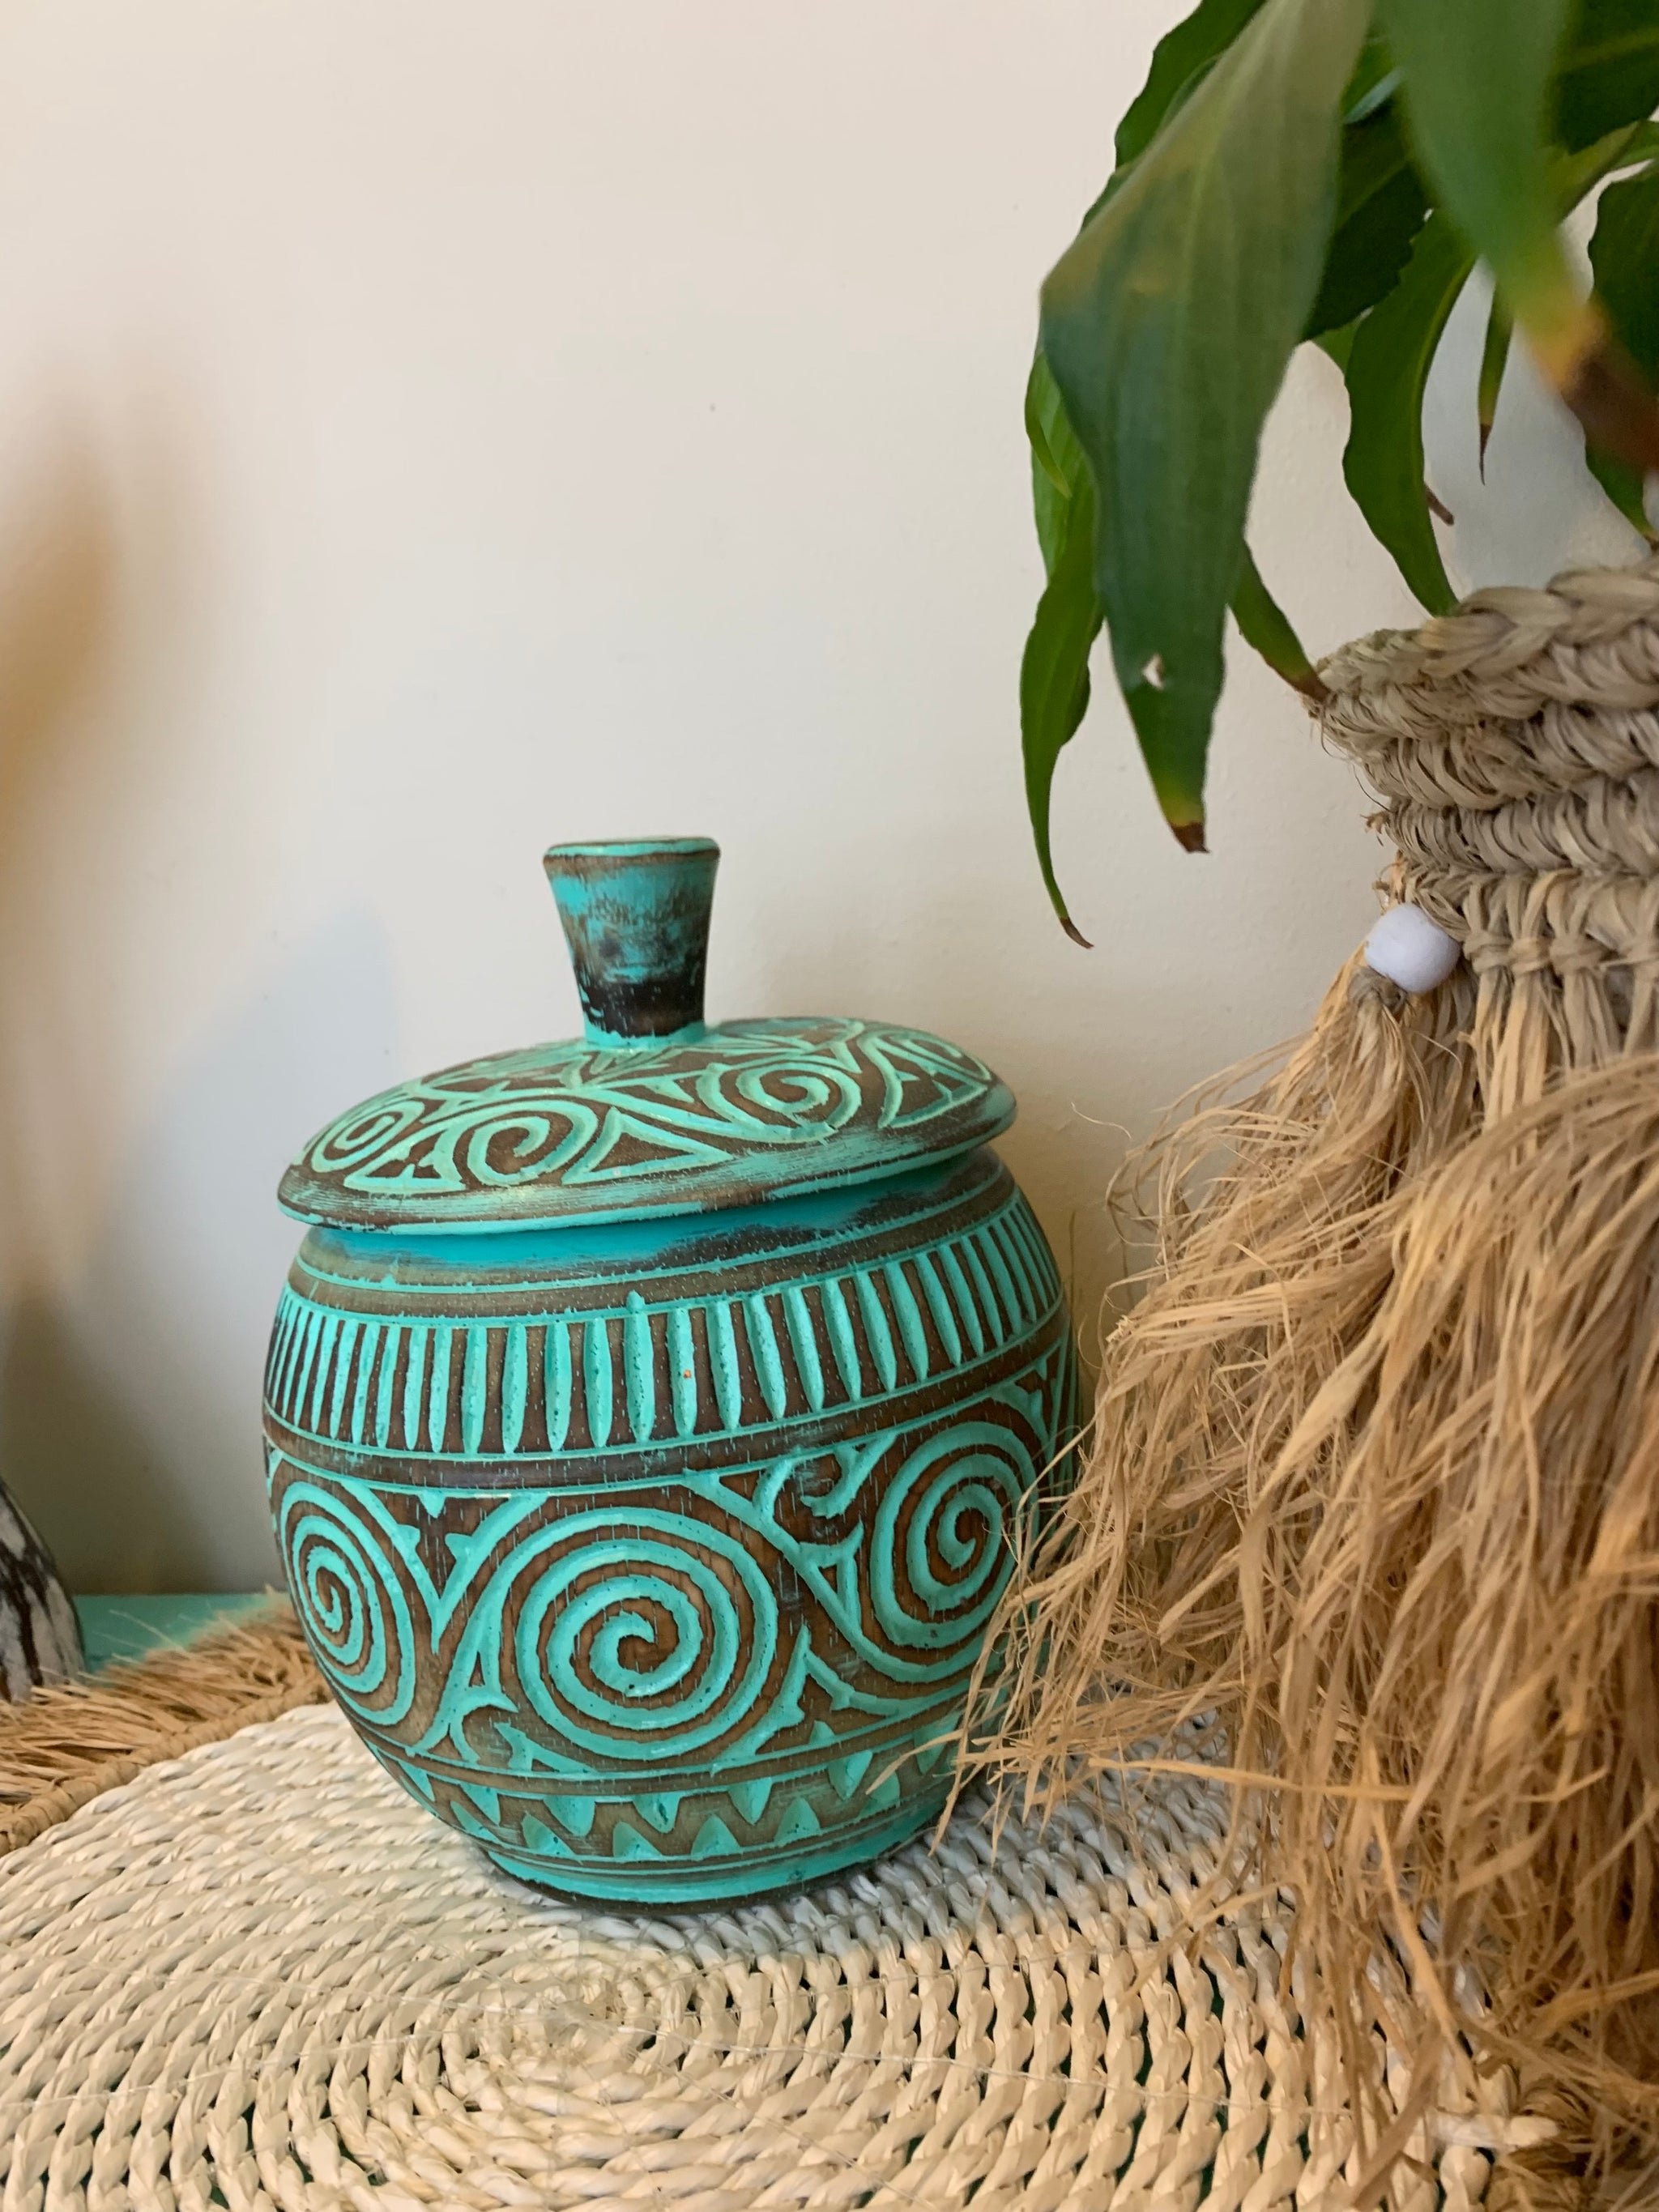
pixel 259 1976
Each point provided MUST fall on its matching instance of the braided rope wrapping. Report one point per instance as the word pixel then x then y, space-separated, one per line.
pixel 1515 748
pixel 1375 1476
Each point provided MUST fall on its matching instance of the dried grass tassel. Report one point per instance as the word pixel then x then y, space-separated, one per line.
pixel 1375 1470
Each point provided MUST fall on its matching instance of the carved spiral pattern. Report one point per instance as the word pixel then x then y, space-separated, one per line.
pixel 629 1630
pixel 367 1130
pixel 669 1583
pixel 583 1115
pixel 781 1098
pixel 941 1546
pixel 663 1629
pixel 349 1598
pixel 488 1143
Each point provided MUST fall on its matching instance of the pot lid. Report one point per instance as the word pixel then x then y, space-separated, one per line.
pixel 649 1112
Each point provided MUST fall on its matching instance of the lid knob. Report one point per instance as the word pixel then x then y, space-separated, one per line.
pixel 636 915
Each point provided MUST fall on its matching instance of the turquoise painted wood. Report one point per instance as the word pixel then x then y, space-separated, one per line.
pixel 133 1627
pixel 655 1550
pixel 635 918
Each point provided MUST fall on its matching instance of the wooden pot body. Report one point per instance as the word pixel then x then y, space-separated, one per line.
pixel 657 1555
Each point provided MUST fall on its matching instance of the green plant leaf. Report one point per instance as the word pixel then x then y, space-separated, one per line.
pixel 1623 486
pixel 1477 91
pixel 1375 81
pixel 1179 56
pixel 1611 395
pixel 1054 674
pixel 1263 624
pixel 1624 256
pixel 1381 204
pixel 1479 100
pixel 1610 73
pixel 1387 369
pixel 1494 360
pixel 1057 462
pixel 1575 176
pixel 1054 687
pixel 1167 325
pixel 1624 150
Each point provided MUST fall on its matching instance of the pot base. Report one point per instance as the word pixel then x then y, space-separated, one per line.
pixel 643 1885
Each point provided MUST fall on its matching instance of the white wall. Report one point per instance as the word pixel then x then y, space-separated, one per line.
pixel 429 429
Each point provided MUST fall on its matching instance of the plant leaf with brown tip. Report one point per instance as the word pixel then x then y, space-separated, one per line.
pixel 1264 625
pixel 1387 369
pixel 1167 325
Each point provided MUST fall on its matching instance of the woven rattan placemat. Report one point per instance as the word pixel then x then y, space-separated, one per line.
pixel 259 1976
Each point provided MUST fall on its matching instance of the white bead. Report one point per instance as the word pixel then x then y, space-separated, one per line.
pixel 1411 950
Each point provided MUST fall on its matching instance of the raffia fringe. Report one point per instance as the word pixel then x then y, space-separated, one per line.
pixel 65 1744
pixel 1375 1472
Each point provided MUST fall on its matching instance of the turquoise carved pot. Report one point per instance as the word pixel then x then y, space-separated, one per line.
pixel 650 1418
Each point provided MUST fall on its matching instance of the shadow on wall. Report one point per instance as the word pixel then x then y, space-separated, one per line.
pixel 141 1251
pixel 76 555
pixel 177 1288
pixel 57 587
pixel 58 568
pixel 77 1462
pixel 130 1405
